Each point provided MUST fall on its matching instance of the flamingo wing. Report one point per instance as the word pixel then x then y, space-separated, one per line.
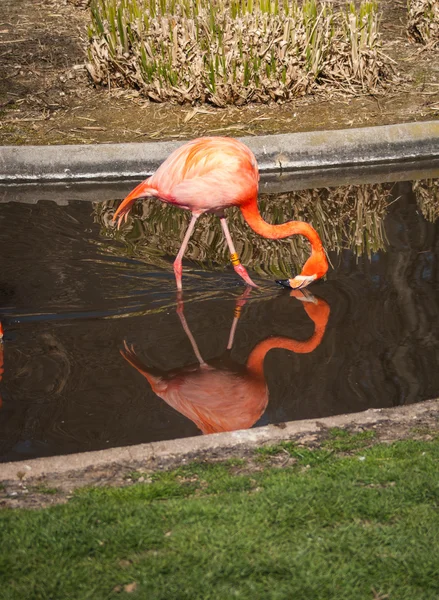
pixel 208 174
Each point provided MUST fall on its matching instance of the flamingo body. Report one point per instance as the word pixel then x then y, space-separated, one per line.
pixel 204 175
pixel 211 174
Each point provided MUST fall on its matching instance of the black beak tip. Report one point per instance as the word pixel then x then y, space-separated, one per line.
pixel 284 283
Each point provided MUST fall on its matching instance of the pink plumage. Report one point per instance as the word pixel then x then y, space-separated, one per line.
pixel 209 175
pixel 204 175
pixel 220 399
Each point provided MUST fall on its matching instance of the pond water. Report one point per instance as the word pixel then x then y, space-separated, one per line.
pixel 97 352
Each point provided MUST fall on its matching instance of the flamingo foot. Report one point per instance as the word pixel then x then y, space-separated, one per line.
pixel 242 272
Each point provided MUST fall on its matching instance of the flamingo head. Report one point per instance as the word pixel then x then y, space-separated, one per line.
pixel 315 267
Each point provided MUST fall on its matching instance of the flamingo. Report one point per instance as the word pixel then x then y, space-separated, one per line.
pixel 208 175
pixel 223 395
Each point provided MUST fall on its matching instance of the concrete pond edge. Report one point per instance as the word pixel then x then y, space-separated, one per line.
pixel 185 448
pixel 275 153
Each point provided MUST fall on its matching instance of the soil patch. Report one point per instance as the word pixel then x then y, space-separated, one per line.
pixel 46 96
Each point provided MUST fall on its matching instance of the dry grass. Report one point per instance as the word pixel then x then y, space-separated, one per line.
pixel 349 217
pixel 50 99
pixel 235 51
pixel 81 3
pixel 423 22
pixel 427 197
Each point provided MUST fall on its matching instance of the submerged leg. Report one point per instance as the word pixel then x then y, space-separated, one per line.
pixel 239 268
pixel 178 268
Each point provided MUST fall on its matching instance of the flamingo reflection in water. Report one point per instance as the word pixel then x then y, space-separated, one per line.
pixel 231 396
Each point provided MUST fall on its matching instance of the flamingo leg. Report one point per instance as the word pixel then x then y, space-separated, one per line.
pixel 178 267
pixel 240 302
pixel 239 268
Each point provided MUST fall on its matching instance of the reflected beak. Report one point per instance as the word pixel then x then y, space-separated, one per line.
pixel 304 296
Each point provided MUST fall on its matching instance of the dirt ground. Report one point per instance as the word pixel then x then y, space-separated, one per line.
pixel 418 422
pixel 46 96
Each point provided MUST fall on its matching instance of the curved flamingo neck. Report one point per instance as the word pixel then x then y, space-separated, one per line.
pixel 318 313
pixel 251 214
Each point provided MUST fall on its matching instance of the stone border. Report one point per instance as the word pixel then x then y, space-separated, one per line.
pixel 187 447
pixel 284 152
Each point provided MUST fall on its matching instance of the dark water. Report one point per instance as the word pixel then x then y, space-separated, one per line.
pixel 73 292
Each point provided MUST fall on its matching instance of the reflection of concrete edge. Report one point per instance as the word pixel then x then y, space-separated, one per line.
pixel 189 448
pixel 275 153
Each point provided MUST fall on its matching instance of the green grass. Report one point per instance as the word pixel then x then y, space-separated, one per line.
pixel 344 441
pixel 339 440
pixel 303 456
pixel 346 527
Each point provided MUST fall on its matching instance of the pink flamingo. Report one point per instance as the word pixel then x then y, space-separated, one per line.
pixel 218 398
pixel 208 175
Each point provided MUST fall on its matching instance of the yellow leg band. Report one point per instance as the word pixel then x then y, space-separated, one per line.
pixel 237 312
pixel 235 259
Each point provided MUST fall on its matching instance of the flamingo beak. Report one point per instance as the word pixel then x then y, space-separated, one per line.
pixel 284 282
pixel 297 283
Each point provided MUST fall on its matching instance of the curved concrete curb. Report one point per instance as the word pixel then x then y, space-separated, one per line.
pixel 291 151
pixel 190 447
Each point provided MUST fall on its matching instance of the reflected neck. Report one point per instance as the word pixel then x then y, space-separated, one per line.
pixel 318 313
